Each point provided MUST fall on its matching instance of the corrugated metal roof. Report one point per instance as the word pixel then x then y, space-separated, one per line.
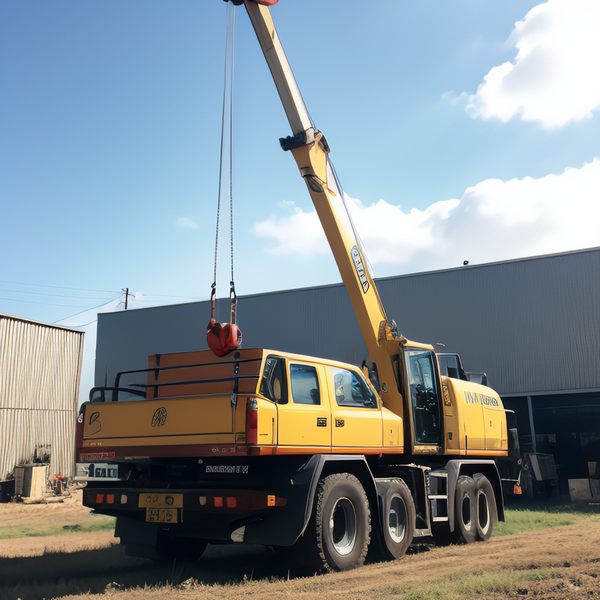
pixel 532 324
pixel 39 379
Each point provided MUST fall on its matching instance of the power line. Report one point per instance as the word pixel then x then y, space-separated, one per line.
pixel 61 287
pixel 52 295
pixel 44 303
pixel 84 311
pixel 76 326
pixel 82 290
pixel 146 297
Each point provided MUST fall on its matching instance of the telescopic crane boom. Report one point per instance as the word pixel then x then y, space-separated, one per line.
pixel 311 152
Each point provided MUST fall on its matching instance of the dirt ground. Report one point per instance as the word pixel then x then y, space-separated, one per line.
pixel 90 565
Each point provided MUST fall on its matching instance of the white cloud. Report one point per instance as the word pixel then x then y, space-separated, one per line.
pixel 186 223
pixel 494 220
pixel 554 78
pixel 300 234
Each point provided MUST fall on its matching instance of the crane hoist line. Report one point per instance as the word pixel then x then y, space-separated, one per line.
pixel 223 338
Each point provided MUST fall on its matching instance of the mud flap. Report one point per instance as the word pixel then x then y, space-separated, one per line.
pixel 138 537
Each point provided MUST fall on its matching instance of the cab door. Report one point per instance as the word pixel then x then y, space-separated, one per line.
pixel 425 396
pixel 357 421
pixel 304 417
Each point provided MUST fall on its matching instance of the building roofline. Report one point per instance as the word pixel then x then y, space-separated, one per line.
pixel 492 264
pixel 387 278
pixel 32 322
pixel 550 393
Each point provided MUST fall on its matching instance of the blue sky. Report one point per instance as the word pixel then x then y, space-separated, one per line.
pixel 458 134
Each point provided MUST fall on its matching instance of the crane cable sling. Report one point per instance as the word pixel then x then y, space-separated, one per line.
pixel 222 338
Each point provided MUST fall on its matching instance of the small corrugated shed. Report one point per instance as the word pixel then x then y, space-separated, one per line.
pixel 40 367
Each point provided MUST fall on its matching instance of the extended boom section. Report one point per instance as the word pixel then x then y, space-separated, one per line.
pixel 311 152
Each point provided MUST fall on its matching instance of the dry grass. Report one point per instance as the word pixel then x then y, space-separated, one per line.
pixel 58 516
pixel 559 563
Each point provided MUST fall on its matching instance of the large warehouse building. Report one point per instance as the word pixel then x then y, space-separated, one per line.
pixel 533 325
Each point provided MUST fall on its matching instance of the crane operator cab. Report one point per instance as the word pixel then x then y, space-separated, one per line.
pixel 425 394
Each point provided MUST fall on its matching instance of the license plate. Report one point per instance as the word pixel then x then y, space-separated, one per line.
pixel 160 501
pixel 161 515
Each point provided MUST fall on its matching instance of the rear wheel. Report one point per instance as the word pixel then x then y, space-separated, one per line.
pixel 465 510
pixel 337 535
pixel 487 513
pixel 398 520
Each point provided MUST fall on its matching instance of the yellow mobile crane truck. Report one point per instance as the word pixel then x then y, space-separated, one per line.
pixel 332 461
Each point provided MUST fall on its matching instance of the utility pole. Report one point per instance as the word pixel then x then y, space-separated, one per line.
pixel 126 292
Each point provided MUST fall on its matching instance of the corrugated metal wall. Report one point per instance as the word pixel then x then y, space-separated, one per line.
pixel 533 325
pixel 39 380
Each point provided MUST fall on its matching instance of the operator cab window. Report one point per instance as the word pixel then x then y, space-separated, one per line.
pixel 352 390
pixel 424 391
pixel 305 384
pixel 274 383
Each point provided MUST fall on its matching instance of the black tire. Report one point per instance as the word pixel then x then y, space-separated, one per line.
pixel 465 510
pixel 487 512
pixel 338 533
pixel 398 518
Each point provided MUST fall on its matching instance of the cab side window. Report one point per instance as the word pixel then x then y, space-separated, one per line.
pixel 274 383
pixel 352 390
pixel 425 395
pixel 305 384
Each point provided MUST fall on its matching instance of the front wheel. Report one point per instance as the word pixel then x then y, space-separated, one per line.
pixel 338 533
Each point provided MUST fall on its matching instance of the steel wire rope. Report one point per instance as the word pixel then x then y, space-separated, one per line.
pixel 369 267
pixel 226 120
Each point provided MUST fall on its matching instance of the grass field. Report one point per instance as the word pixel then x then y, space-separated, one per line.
pixel 530 517
pixel 100 523
pixel 525 517
pixel 37 520
pixel 559 563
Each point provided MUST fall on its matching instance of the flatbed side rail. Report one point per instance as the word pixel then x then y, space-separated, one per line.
pixel 151 388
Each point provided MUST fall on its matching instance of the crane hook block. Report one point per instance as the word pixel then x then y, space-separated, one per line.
pixel 223 338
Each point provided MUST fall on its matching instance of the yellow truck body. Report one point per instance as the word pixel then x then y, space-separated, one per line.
pixel 197 404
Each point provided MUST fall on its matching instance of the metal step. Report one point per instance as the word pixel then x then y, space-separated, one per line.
pixel 438 499
pixel 422 533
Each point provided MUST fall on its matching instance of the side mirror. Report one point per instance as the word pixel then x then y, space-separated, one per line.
pixel 365 369
pixel 372 375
